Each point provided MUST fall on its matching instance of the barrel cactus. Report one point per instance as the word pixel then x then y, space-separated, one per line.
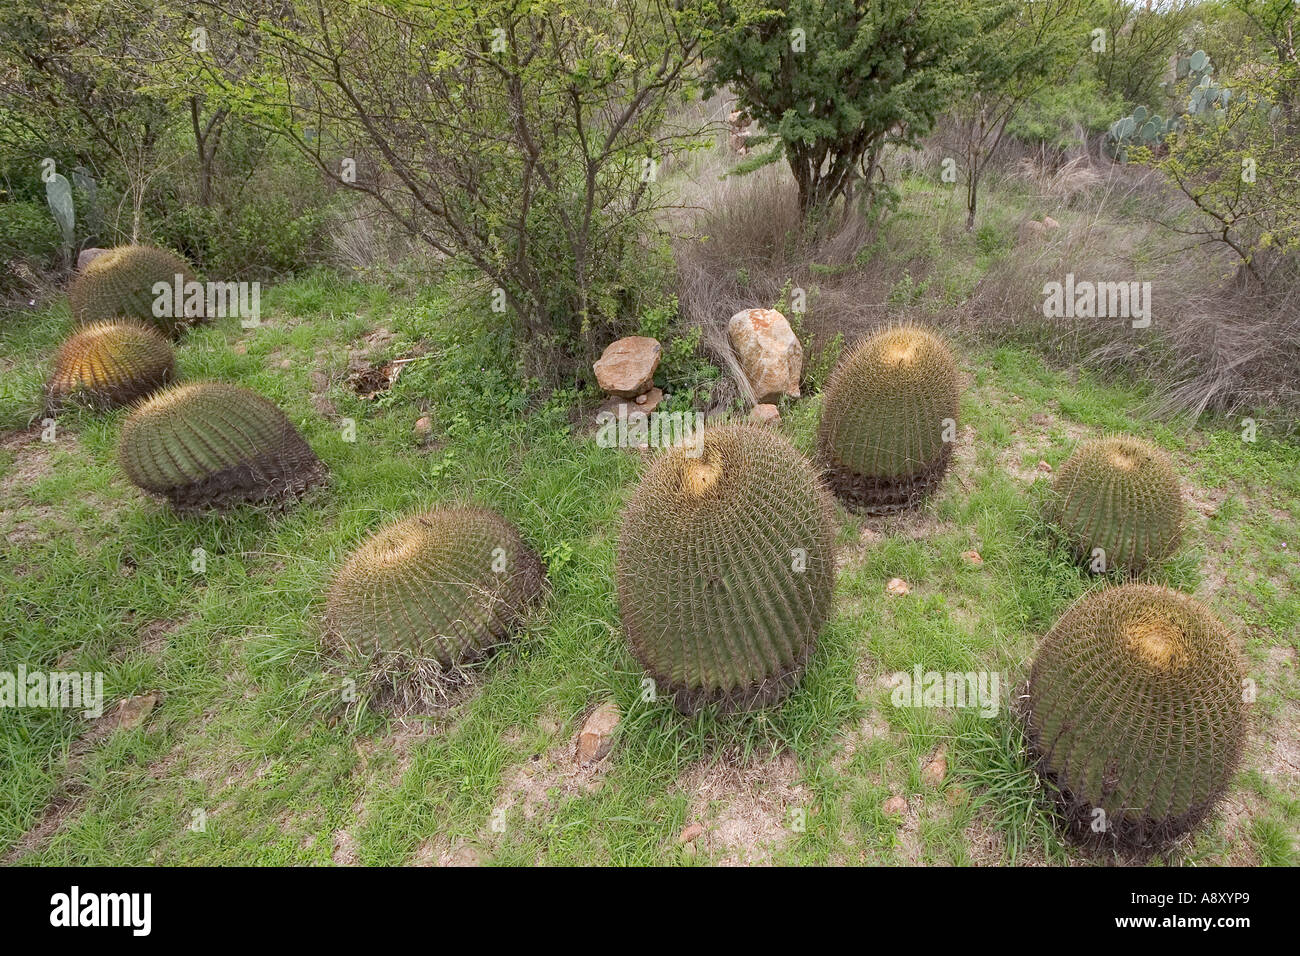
pixel 429 593
pixel 108 364
pixel 212 445
pixel 725 568
pixel 1136 712
pixel 120 283
pixel 889 419
pixel 1117 500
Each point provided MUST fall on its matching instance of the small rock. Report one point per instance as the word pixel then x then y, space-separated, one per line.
pixel 1044 467
pixel 973 557
pixel 769 353
pixel 934 772
pixel 1033 229
pixel 895 805
pixel 691 833
pixel 132 711
pixel 766 414
pixel 897 587
pixel 649 401
pixel 597 734
pixel 86 256
pixel 627 366
pixel 423 426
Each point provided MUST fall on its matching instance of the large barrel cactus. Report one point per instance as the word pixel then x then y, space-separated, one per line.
pixel 211 445
pixel 431 592
pixel 108 364
pixel 1136 710
pixel 889 420
pixel 725 568
pixel 120 283
pixel 1119 495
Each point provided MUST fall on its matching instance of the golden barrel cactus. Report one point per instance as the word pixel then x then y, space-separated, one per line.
pixel 108 364
pixel 726 564
pixel 889 420
pixel 120 283
pixel 212 445
pixel 1118 502
pixel 1136 712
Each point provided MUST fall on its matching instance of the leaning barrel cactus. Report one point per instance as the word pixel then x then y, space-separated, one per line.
pixel 211 445
pixel 108 364
pixel 725 568
pixel 120 282
pixel 889 419
pixel 431 592
pixel 1118 502
pixel 1136 711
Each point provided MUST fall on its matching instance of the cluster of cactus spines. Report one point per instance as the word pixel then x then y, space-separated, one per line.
pixel 1136 712
pixel 120 282
pixel 211 445
pixel 429 593
pixel 108 364
pixel 725 568
pixel 1118 501
pixel 889 418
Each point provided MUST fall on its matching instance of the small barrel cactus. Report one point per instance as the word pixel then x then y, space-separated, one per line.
pixel 120 283
pixel 431 592
pixel 108 364
pixel 1136 712
pixel 1118 502
pixel 889 420
pixel 211 445
pixel 725 568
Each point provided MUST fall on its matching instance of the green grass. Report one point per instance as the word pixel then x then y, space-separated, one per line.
pixel 252 734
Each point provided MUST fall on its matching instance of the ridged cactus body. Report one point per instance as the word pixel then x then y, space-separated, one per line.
pixel 1119 495
pixel 725 568
pixel 119 283
pixel 1136 709
pixel 433 591
pixel 108 364
pixel 889 418
pixel 210 445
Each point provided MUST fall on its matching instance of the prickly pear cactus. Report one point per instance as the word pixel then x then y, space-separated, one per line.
pixel 725 568
pixel 429 593
pixel 889 420
pixel 211 445
pixel 108 364
pixel 1136 712
pixel 120 283
pixel 1118 502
